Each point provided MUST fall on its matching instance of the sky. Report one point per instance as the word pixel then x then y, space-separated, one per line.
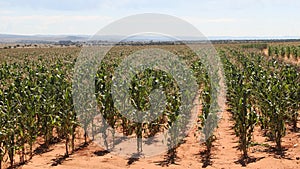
pixel 259 18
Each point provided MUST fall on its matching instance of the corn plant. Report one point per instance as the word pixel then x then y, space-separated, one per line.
pixel 239 100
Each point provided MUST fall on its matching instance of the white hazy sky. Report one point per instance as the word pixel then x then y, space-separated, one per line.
pixel 211 17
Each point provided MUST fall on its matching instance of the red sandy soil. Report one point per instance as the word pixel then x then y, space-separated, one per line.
pixel 224 154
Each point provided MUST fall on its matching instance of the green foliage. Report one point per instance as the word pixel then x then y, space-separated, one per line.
pixel 264 88
pixel 35 99
pixel 284 51
pixel 259 46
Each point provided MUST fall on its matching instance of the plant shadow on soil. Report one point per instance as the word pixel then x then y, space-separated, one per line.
pixel 279 154
pixel 205 158
pixel 134 157
pixel 60 159
pixel 43 148
pixel 244 161
pixel 168 160
pixel 171 157
pixel 269 150
pixel 101 152
pixel 295 130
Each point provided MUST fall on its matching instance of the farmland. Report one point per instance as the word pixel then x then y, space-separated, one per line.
pixel 39 126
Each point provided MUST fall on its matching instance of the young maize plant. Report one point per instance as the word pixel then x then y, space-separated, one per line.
pixel 273 84
pixel 36 100
pixel 239 100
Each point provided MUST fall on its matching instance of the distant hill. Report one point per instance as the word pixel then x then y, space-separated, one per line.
pixel 13 38
pixel 5 38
